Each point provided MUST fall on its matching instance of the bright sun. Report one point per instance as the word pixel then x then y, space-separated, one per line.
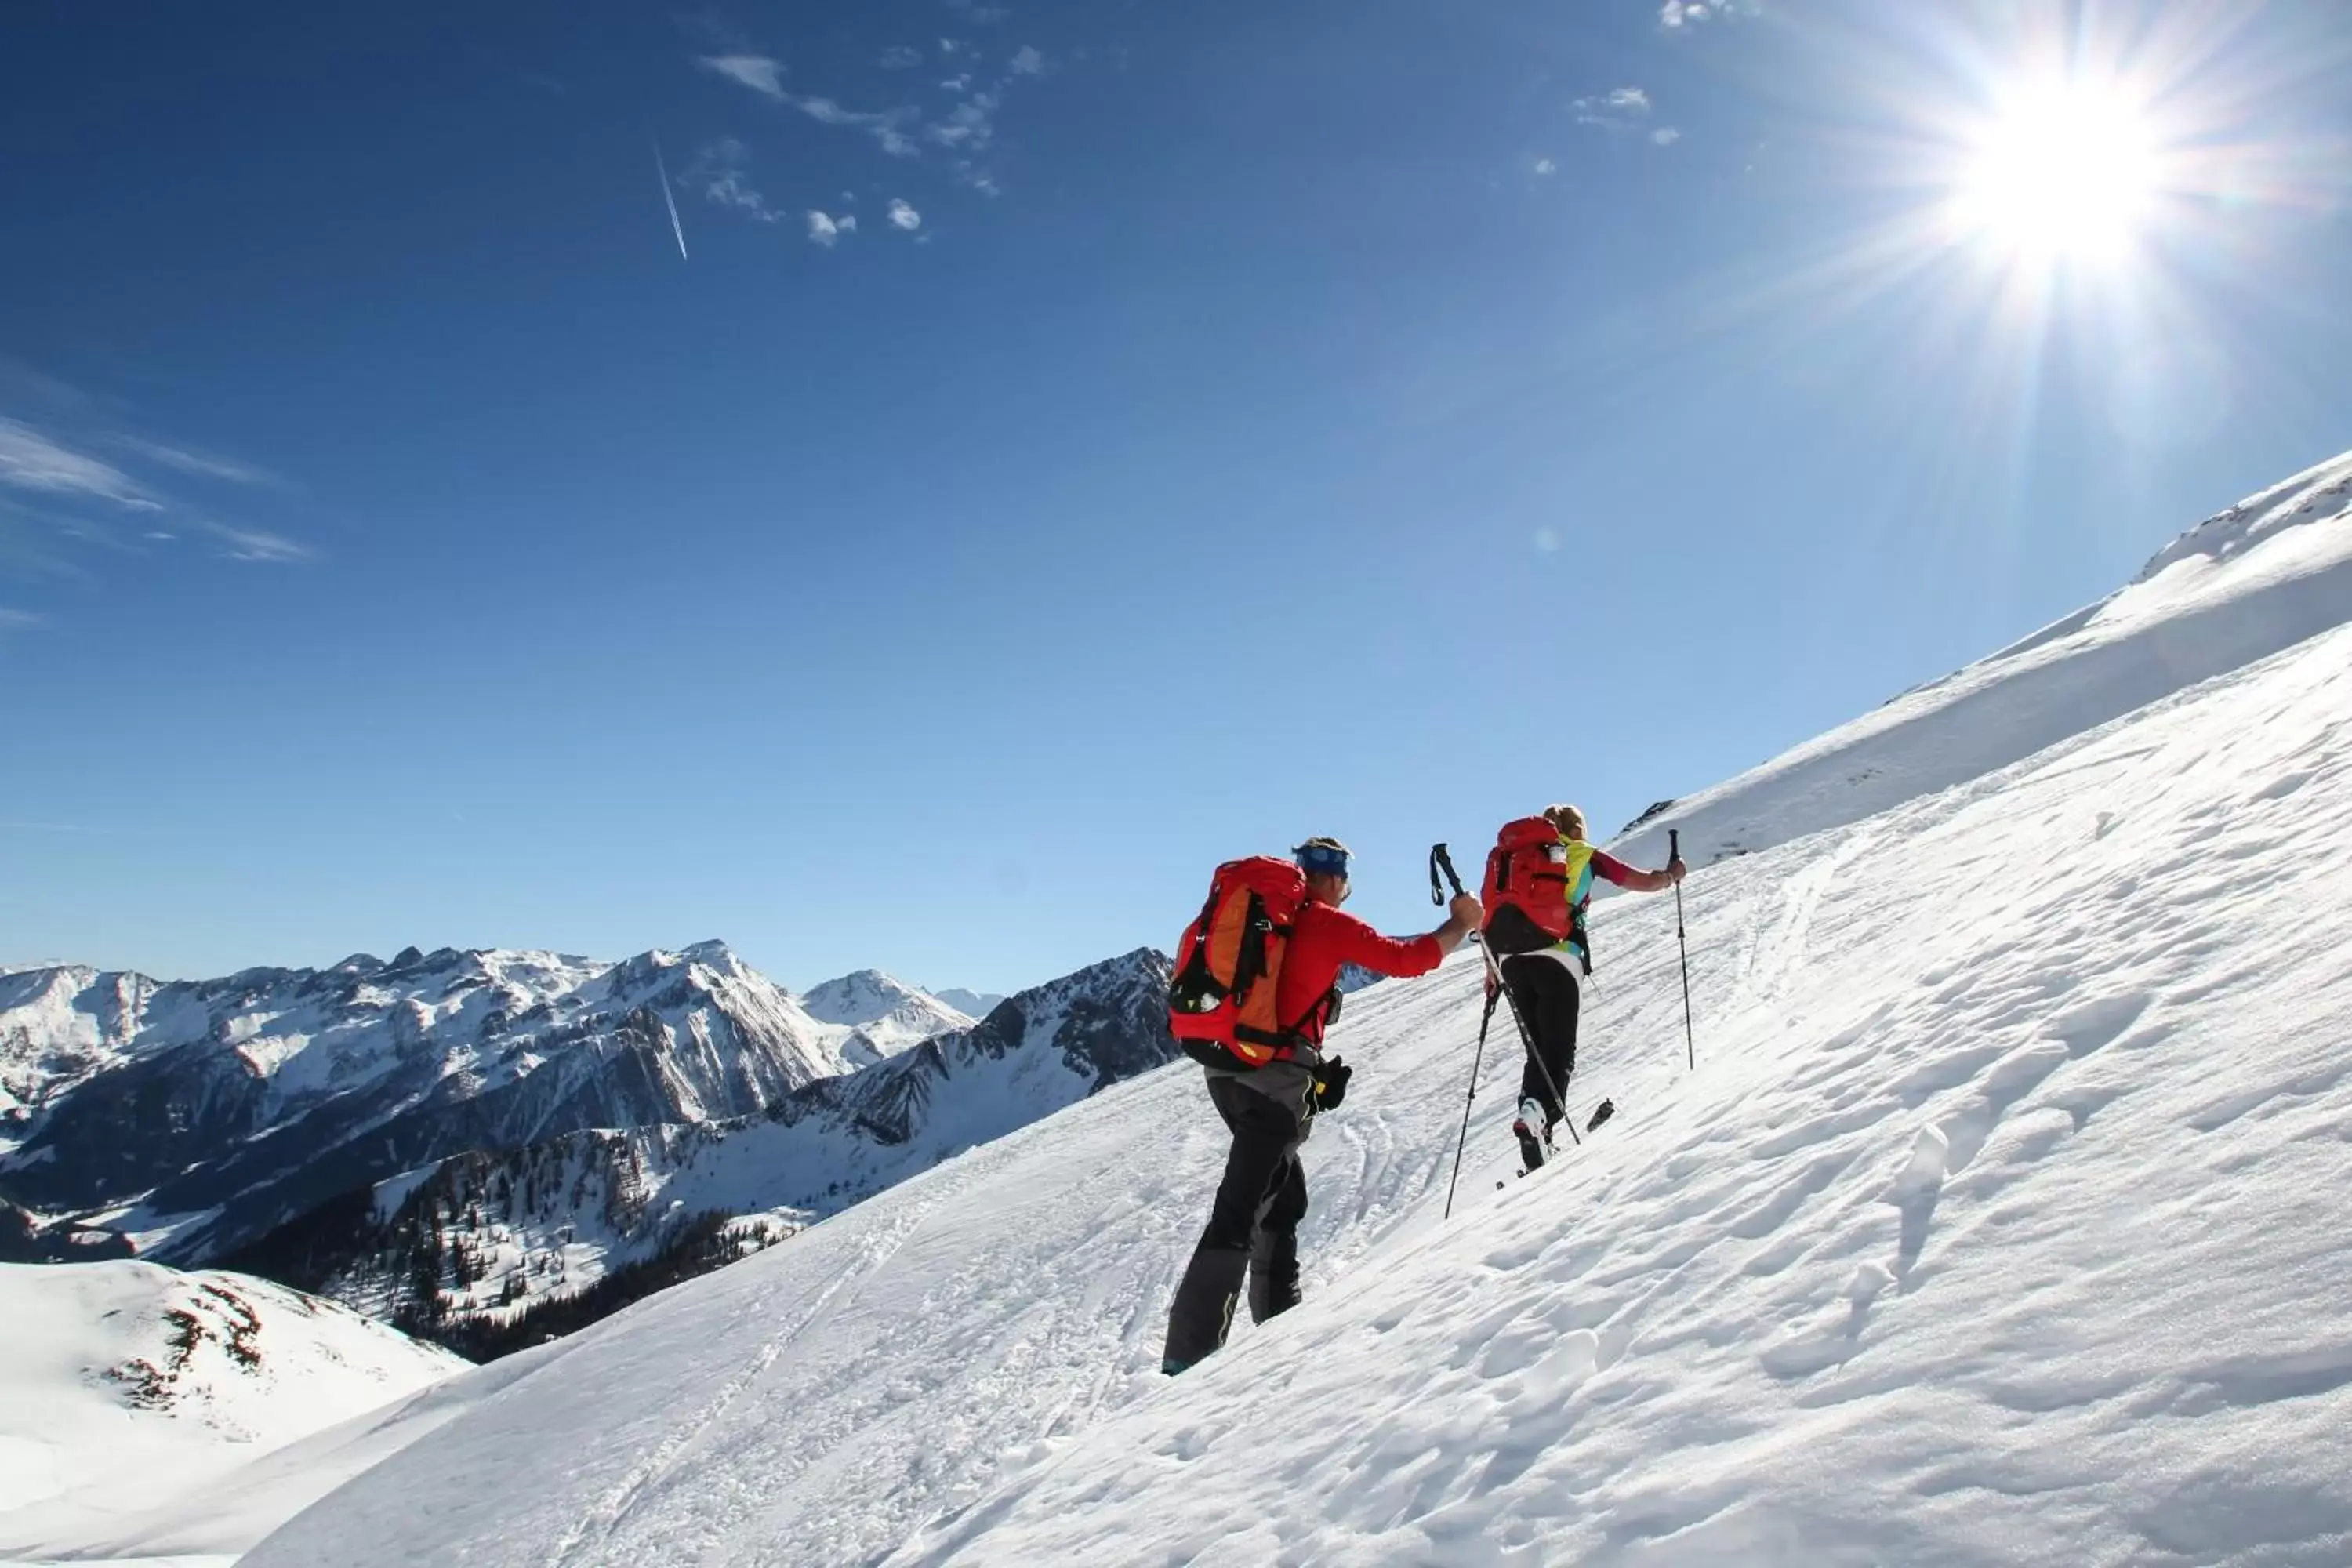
pixel 2065 172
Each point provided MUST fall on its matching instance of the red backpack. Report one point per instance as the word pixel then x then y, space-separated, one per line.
pixel 1228 962
pixel 1527 868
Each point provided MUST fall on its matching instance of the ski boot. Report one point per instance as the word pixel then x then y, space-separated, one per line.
pixel 1533 1130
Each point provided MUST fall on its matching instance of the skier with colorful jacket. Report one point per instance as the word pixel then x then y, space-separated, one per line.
pixel 1539 883
pixel 1256 987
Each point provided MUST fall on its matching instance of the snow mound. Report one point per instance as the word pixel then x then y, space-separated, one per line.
pixel 128 1384
pixel 2000 1224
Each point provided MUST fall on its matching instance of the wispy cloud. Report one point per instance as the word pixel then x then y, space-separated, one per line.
pixel 30 460
pixel 20 620
pixel 759 72
pixel 1680 15
pixel 1619 109
pixel 1665 136
pixel 963 129
pixel 37 462
pixel 203 465
pixel 1619 100
pixel 253 543
pixel 722 171
pixel 827 230
pixel 884 125
pixel 1546 166
pixel 969 126
pixel 904 218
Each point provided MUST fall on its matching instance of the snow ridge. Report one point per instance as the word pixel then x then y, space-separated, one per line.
pixel 2258 578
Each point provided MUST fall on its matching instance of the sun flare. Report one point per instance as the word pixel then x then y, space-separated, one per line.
pixel 2065 173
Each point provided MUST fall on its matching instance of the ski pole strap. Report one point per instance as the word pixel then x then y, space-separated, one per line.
pixel 1441 860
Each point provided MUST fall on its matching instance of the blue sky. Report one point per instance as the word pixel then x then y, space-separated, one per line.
pixel 1076 444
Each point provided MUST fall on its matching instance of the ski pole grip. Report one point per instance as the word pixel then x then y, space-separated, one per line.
pixel 1442 859
pixel 1674 843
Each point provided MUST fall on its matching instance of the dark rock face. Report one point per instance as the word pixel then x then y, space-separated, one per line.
pixel 25 1239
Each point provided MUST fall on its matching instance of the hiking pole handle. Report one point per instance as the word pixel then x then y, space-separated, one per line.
pixel 1442 859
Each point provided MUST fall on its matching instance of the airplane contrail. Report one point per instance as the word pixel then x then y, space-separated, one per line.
pixel 674 227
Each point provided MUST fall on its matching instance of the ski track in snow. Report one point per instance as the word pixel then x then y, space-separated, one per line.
pixel 2000 1224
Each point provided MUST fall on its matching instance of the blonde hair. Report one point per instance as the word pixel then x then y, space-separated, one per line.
pixel 1568 819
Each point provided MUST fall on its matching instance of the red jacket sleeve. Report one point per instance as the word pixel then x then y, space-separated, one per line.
pixel 1607 865
pixel 1398 957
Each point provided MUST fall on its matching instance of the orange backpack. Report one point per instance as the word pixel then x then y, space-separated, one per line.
pixel 1229 961
pixel 1528 868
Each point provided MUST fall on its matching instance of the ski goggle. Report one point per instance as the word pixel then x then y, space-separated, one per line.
pixel 1322 860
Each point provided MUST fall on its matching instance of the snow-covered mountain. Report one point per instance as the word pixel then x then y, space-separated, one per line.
pixel 884 1016
pixel 976 1004
pixel 490 1250
pixel 195 1116
pixel 1998 1223
pixel 60 1025
pixel 128 1389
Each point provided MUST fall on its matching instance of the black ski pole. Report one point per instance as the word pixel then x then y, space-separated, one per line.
pixel 1442 859
pixel 1463 1139
pixel 1690 1039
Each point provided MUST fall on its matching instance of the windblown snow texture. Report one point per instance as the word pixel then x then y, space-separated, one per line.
pixel 2000 1225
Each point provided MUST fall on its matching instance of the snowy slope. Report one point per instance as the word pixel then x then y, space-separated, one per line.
pixel 1993 1229
pixel 129 1386
pixel 2000 1224
pixel 2268 572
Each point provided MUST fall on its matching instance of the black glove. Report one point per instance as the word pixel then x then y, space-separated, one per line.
pixel 1331 1083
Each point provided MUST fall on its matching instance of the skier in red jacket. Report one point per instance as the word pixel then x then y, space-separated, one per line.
pixel 1252 1229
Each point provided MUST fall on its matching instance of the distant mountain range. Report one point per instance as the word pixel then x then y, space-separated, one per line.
pixel 454 1140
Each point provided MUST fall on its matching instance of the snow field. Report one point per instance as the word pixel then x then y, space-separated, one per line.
pixel 2000 1224
pixel 130 1387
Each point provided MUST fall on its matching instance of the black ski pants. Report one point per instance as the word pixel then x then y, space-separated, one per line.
pixel 1547 994
pixel 1253 1228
